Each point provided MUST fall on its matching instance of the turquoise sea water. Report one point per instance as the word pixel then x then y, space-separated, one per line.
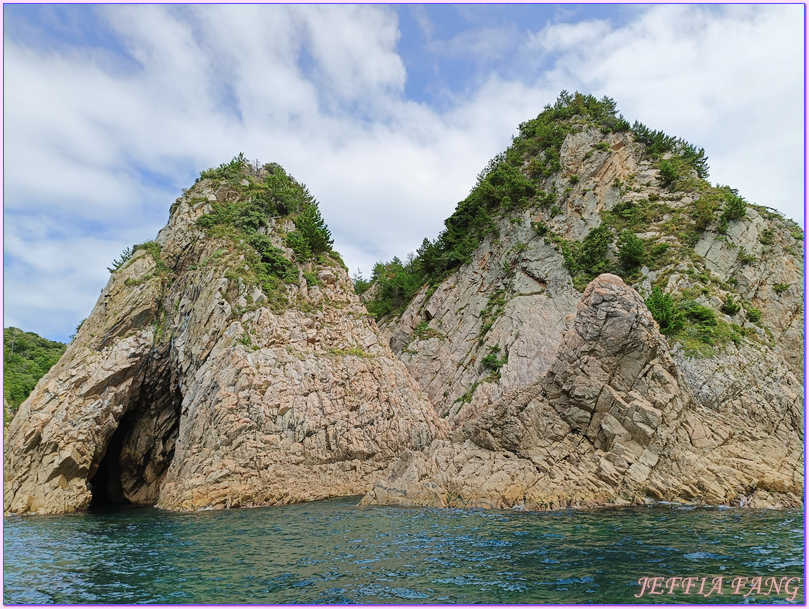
pixel 334 552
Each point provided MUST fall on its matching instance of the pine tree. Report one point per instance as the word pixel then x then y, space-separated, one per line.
pixel 311 226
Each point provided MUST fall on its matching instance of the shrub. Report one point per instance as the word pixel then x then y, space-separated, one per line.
pixel 592 253
pixel 668 173
pixel 78 327
pixel 730 307
pixel 423 331
pixel 753 315
pixel 656 142
pixel 361 284
pixel 745 257
pixel 397 283
pixel 273 260
pixel 735 206
pixel 703 210
pixel 780 288
pixel 574 179
pixel 540 228
pixel 117 263
pixel 492 361
pixel 298 244
pixel 544 199
pixel 665 312
pixel 588 258
pixel 766 237
pixel 631 250
pixel 698 314
pixel 311 235
pixel 658 252
pixel 232 171
pixel 311 278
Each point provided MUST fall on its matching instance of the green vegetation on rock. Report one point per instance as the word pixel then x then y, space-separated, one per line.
pixel 667 315
pixel 152 248
pixel 245 221
pixel 26 358
pixel 694 325
pixel 503 187
pixel 397 284
pixel 645 231
pixel 658 144
pixel 493 361
pixel 515 180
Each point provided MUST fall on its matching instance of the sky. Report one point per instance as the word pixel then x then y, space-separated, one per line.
pixel 386 112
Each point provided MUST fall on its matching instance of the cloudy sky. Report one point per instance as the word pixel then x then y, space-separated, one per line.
pixel 387 113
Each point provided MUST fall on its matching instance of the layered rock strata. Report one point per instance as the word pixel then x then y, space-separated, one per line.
pixel 186 388
pixel 612 421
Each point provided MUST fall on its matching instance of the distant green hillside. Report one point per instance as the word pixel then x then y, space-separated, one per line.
pixel 26 359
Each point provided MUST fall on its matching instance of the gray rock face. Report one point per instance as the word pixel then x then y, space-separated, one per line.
pixel 613 421
pixel 516 293
pixel 185 388
pixel 492 304
pixel 605 385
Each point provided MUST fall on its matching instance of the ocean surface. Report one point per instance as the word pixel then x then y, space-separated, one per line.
pixel 335 552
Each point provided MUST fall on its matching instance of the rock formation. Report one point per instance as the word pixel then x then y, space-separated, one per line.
pixel 230 363
pixel 613 421
pixel 201 380
pixel 490 340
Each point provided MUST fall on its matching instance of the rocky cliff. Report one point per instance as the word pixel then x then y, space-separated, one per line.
pixel 227 363
pixel 515 358
pixel 597 325
pixel 612 421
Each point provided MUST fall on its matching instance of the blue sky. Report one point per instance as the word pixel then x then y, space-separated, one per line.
pixel 387 113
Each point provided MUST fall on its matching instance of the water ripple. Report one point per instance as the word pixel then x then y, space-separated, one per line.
pixel 334 552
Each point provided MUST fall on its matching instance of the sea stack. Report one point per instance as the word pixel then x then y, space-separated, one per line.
pixel 226 363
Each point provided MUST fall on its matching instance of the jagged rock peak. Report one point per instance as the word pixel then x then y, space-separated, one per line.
pixel 227 363
pixel 581 192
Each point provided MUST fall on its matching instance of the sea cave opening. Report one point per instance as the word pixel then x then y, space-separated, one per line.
pixel 140 450
pixel 106 485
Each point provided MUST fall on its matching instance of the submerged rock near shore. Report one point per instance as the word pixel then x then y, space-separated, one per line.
pixel 597 325
pixel 219 368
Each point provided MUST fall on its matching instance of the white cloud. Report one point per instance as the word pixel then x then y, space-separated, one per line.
pixel 356 49
pixel 567 36
pixel 320 89
pixel 483 45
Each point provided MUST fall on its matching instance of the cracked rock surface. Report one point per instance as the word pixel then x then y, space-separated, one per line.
pixel 719 426
pixel 184 389
pixel 613 421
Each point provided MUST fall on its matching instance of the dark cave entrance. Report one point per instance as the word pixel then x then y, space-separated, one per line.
pixel 140 450
pixel 106 483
